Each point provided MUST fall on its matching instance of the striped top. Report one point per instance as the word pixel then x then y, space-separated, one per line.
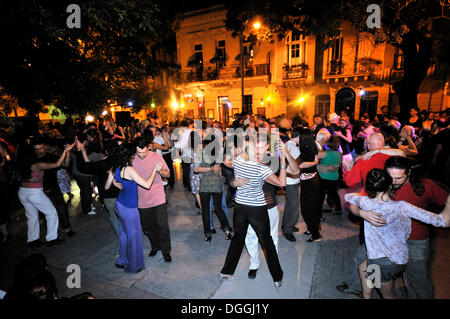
pixel 251 194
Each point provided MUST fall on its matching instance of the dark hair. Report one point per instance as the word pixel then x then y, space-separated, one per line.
pixel 43 286
pixel 307 144
pixel 184 123
pixel 110 146
pixel 148 135
pixel 400 162
pixel 24 159
pixel 37 141
pixel 334 142
pixel 141 142
pixel 24 271
pixel 377 180
pixel 123 155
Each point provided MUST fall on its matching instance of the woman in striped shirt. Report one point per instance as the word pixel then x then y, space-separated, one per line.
pixel 251 208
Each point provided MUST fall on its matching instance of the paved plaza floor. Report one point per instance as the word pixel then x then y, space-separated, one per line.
pixel 311 270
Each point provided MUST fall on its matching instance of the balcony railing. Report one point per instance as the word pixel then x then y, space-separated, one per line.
pixel 295 72
pixel 225 73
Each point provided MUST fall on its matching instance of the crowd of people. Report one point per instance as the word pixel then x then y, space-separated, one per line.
pixel 378 164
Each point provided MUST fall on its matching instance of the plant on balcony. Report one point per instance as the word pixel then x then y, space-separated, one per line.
pixel 367 65
pixel 336 66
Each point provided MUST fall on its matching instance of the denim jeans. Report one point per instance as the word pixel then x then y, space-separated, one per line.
pixel 418 285
pixel 110 205
pixel 224 208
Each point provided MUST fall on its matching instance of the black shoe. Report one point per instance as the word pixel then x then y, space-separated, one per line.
pixel 35 243
pixel 153 253
pixel 228 235
pixel 295 229
pixel 213 231
pixel 252 273
pixel 322 219
pixel 70 233
pixel 307 233
pixel 119 266
pixel 315 240
pixel 54 242
pixel 342 287
pixel 289 237
pixel 208 238
pixel 167 258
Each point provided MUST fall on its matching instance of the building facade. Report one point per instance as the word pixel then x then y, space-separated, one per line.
pixel 297 75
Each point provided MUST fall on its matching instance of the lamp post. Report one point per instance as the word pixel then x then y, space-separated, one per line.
pixel 256 26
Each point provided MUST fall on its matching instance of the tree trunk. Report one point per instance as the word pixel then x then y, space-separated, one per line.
pixel 417 52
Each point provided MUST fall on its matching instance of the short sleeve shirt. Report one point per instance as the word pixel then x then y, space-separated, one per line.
pixel 251 194
pixel 154 196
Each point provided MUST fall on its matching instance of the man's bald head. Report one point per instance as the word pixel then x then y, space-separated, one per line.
pixel 375 141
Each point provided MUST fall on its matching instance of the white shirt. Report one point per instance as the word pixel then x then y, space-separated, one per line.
pixel 295 153
pixel 160 141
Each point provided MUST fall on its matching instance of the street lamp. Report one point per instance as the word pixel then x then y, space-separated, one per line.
pixel 256 26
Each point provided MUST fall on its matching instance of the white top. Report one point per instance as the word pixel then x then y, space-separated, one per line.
pixel 251 194
pixel 160 141
pixel 391 240
pixel 295 153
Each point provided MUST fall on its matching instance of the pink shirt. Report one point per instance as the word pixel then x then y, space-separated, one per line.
pixel 154 196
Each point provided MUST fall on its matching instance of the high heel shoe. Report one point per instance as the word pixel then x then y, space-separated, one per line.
pixel 278 284
pixel 228 235
pixel 208 238
pixel 226 277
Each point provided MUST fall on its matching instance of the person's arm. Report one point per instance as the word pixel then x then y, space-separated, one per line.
pixel 167 141
pixel 347 137
pixel 437 220
pixel 46 166
pixel 309 164
pixel 292 163
pixel 410 149
pixel 386 151
pixel 236 182
pixel 109 180
pixel 280 180
pixel 132 174
pixel 160 147
pixel 355 203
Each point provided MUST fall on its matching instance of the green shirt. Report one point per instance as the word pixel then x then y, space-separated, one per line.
pixel 331 158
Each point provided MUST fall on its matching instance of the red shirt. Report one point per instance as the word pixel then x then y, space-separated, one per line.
pixel 358 173
pixel 433 195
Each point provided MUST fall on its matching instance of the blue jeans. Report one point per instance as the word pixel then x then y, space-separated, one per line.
pixel 224 208
pixel 418 285
pixel 110 205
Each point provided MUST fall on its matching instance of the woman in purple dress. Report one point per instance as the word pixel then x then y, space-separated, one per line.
pixel 131 256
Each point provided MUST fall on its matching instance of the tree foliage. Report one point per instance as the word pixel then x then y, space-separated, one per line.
pixel 79 69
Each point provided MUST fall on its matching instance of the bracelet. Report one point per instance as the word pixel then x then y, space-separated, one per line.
pixel 283 167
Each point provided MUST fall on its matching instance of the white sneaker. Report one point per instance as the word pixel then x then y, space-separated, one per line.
pixel 92 213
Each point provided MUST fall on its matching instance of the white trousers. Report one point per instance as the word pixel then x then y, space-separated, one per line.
pixel 251 240
pixel 35 200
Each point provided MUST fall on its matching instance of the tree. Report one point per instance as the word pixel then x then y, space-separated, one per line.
pixel 78 70
pixel 408 25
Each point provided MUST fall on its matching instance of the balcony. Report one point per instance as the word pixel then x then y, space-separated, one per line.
pixel 291 72
pixel 224 73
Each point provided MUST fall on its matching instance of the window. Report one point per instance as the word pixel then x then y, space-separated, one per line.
pixel 398 60
pixel 322 104
pixel 221 50
pixel 198 51
pixel 295 48
pixel 261 111
pixel 211 113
